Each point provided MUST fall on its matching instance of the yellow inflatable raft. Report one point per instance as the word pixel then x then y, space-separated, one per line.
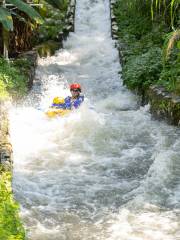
pixel 53 112
pixel 57 108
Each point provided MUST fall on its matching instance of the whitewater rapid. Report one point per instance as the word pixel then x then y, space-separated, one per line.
pixel 106 172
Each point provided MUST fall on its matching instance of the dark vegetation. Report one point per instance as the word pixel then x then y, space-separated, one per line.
pixel 27 32
pixel 150 34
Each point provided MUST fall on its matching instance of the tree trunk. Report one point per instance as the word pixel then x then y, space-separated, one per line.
pixel 5 43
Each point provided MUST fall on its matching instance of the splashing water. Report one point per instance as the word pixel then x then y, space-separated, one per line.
pixel 109 172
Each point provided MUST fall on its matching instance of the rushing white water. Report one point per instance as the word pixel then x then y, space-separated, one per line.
pixel 107 171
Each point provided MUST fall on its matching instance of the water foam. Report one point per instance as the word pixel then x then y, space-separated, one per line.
pixel 107 171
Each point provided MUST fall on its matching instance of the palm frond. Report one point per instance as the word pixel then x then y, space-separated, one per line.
pixel 6 19
pixel 33 14
pixel 60 4
pixel 175 37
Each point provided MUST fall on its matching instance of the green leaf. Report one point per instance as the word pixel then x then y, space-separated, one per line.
pixel 60 4
pixel 178 44
pixel 27 9
pixel 6 19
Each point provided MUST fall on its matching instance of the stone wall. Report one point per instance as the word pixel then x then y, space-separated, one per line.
pixel 5 145
pixel 114 32
pixel 164 105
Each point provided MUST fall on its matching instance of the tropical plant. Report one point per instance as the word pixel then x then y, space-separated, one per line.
pixel 167 10
pixel 6 14
pixel 152 50
pixel 143 70
pixel 163 7
pixel 13 78
pixel 7 18
pixel 23 20
pixel 60 4
pixel 172 39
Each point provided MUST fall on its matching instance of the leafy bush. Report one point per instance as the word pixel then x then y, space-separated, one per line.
pixel 53 22
pixel 142 70
pixel 10 226
pixel 170 75
pixel 12 80
pixel 145 40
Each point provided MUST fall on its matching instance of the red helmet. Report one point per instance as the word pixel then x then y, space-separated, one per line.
pixel 75 86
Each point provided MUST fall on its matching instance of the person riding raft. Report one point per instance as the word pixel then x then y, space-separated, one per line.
pixel 76 99
pixel 61 106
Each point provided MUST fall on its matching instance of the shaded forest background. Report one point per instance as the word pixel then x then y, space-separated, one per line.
pixel 27 32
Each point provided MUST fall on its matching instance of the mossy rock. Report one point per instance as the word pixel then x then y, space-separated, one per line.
pixel 48 48
pixel 164 105
pixel 5 145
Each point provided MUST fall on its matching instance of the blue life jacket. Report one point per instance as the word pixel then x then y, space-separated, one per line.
pixel 75 104
pixel 59 106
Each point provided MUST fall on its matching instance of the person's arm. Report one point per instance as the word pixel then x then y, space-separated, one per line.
pixel 78 102
pixel 68 104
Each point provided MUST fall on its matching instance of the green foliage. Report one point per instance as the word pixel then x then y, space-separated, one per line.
pixel 53 24
pixel 12 80
pixel 49 31
pixel 131 20
pixel 167 10
pixel 10 225
pixel 24 7
pixel 170 74
pixel 161 7
pixel 147 59
pixel 143 70
pixel 47 48
pixel 6 14
pixel 172 40
pixel 21 63
pixel 6 19
pixel 60 4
